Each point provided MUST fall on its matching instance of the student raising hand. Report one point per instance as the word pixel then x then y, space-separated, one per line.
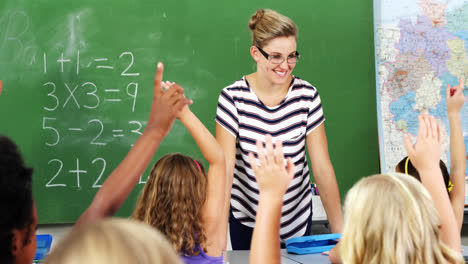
pixel 185 110
pixel 165 107
pixel 425 155
pixel 455 100
pixel 454 96
pixel 426 152
pixel 273 179
pixel 272 176
pixel 166 104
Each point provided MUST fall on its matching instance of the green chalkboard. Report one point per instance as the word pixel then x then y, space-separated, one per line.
pixel 78 82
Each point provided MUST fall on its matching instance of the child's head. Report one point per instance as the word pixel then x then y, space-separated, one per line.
pixel 19 219
pixel 391 219
pixel 172 201
pixel 405 166
pixel 113 241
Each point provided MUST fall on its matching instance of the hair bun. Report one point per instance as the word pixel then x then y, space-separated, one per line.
pixel 256 18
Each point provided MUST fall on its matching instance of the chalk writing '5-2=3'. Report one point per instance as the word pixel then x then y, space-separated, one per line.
pixel 93 100
pixel 98 63
pixel 53 137
pixel 78 171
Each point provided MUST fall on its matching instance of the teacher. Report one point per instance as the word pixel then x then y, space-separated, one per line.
pixel 273 101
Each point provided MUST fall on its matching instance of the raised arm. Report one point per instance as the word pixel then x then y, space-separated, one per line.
pixel 425 156
pixel 213 220
pixel 119 184
pixel 455 100
pixel 228 144
pixel 273 179
pixel 325 178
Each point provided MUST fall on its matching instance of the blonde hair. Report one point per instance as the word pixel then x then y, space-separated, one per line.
pixel 267 24
pixel 172 201
pixel 392 219
pixel 113 241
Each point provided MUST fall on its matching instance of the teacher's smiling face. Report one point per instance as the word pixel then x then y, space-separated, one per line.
pixel 276 60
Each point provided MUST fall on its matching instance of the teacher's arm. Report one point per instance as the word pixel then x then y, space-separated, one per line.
pixel 228 143
pixel 325 178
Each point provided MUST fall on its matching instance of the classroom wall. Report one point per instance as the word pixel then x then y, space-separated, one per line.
pixel 78 75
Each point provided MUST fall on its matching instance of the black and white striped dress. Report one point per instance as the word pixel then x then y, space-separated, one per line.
pixel 243 115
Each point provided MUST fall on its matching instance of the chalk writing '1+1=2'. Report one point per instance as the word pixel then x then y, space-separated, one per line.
pixel 98 63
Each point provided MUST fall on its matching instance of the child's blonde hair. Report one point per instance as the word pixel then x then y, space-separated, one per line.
pixel 267 24
pixel 113 241
pixel 172 201
pixel 391 218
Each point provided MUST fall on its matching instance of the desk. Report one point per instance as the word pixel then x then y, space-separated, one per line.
pixel 319 258
pixel 242 257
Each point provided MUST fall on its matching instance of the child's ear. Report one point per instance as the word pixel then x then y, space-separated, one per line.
pixel 17 242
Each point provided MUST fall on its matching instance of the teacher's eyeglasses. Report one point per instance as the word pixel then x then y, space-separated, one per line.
pixel 278 58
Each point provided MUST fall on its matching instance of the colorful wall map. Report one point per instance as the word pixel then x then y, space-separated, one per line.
pixel 420 47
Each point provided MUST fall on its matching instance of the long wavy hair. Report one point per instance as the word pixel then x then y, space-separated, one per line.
pixel 392 219
pixel 172 201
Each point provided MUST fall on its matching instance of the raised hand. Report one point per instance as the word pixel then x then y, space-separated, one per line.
pixel 119 184
pixel 425 154
pixel 272 176
pixel 167 84
pixel 166 104
pixel 273 179
pixel 455 98
pixel 185 110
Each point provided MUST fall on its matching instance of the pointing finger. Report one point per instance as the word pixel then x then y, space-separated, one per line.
pixel 157 90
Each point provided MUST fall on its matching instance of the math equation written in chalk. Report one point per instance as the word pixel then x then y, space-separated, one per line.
pixel 79 94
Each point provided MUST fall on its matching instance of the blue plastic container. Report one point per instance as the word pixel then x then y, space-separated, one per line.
pixel 312 244
pixel 43 247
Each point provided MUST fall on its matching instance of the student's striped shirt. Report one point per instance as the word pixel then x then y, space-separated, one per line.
pixel 244 116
